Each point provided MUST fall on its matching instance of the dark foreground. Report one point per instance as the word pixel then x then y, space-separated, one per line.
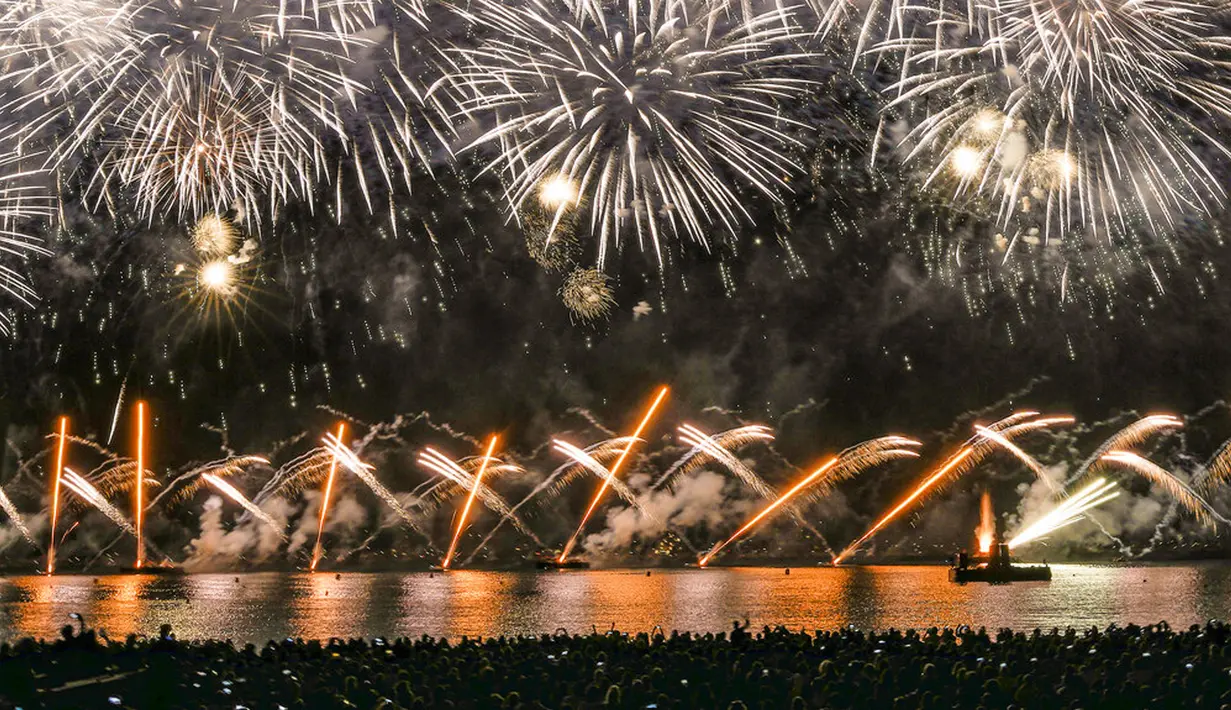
pixel 1118 667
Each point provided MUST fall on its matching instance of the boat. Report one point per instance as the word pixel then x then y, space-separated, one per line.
pixel 162 570
pixel 998 568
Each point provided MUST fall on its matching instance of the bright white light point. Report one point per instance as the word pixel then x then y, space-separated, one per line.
pixel 1065 166
pixel 557 191
pixel 989 120
pixel 216 276
pixel 966 161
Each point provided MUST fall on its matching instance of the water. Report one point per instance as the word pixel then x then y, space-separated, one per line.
pixel 259 607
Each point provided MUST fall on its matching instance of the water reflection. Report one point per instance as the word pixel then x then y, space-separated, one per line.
pixel 258 607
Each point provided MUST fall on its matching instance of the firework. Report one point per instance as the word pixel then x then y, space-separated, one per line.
pixel 214 236
pixel 461 520
pixel 587 293
pixel 1127 437
pixel 1218 469
pixel 613 471
pixel 456 474
pixel 364 472
pixel 650 110
pixel 188 484
pixel 1075 116
pixel 1002 440
pixel 1067 513
pixel 325 497
pixel 139 490
pixel 234 494
pixel 220 105
pixel 11 510
pixel 1176 488
pixel 589 463
pixel 839 468
pixel 769 509
pixel 20 201
pixel 716 447
pixel 986 531
pixel 88 493
pixel 61 443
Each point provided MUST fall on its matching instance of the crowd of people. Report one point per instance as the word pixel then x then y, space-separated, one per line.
pixel 1119 667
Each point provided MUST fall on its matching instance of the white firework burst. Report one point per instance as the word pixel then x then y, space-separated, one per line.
pixel 223 105
pixel 22 200
pixel 660 112
pixel 1099 117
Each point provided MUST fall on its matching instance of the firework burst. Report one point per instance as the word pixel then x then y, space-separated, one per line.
pixel 587 293
pixel 1075 120
pixel 653 110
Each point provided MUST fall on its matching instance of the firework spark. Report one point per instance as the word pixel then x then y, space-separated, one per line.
pixel 1126 438
pixel 61 444
pixel 839 468
pixel 365 473
pixel 456 474
pixel 613 471
pixel 1073 114
pixel 88 493
pixel 325 498
pixel 10 510
pixel 139 490
pixel 461 520
pixel 650 112
pixel 234 494
pixel 587 293
pixel 1176 488
pixel 1070 511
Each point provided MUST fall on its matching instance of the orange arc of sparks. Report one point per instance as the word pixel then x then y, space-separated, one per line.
pixel 320 526
pixel 139 513
pixel 615 468
pixel 951 464
pixel 474 490
pixel 55 494
pixel 769 509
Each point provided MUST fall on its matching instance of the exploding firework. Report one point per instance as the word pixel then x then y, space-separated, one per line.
pixel 551 236
pixel 839 468
pixel 614 471
pixel 651 110
pixel 474 489
pixel 214 236
pixel 1126 438
pixel 139 487
pixel 718 448
pixel 960 462
pixel 1067 513
pixel 61 445
pixel 364 472
pixel 326 495
pixel 587 293
pixel 234 494
pixel 1181 491
pixel 88 493
pixel 1078 118
pixel 20 201
pixel 6 504
pixel 456 477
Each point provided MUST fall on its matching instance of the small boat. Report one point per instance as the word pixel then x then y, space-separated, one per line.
pixel 997 569
pixel 165 570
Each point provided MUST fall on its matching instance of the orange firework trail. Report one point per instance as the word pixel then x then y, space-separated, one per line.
pixel 474 490
pixel 615 468
pixel 320 527
pixel 55 494
pixel 138 513
pixel 949 466
pixel 769 509
pixel 987 522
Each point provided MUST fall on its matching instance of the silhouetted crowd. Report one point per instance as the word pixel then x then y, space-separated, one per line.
pixel 1120 667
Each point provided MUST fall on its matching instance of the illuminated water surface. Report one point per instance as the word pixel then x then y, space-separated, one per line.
pixel 259 607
